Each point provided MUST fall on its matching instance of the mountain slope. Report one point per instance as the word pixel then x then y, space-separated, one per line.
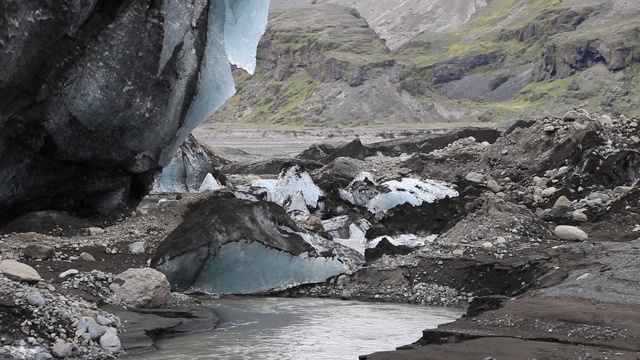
pixel 324 65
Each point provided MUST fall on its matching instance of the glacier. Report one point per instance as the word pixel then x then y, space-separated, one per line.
pixel 233 33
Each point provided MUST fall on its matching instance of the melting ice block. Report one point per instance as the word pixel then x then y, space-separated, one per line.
pixel 295 180
pixel 210 184
pixel 294 190
pixel 378 199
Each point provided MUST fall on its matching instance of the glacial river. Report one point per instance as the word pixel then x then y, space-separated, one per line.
pixel 299 329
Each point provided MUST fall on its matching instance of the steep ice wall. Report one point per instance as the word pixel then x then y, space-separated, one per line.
pixel 234 30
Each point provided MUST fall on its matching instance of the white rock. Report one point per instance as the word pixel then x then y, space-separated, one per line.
pixel 137 247
pixel 110 341
pixel 18 271
pixel 87 257
pixel 475 177
pixel 68 273
pixel 487 245
pixel 142 288
pixel 549 191
pixel 570 233
pixel 583 276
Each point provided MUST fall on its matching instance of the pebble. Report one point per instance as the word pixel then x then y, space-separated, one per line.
pixel 548 192
pixel 35 299
pixel 579 215
pixel 138 247
pixel 494 186
pixel 94 231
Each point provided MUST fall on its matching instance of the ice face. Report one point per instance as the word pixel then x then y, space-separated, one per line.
pixel 361 190
pixel 250 267
pixel 246 21
pixel 412 191
pixel 233 32
pixel 351 234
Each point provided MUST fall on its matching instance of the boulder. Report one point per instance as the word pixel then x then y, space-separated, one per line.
pixel 38 251
pixel 570 233
pixel 143 288
pixel 61 349
pixel 18 271
pixel 110 341
pixel 475 177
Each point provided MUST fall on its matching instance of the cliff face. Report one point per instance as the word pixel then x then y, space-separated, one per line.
pixel 505 58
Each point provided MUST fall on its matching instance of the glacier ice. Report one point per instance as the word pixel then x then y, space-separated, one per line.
pixel 409 240
pixel 348 232
pixel 294 180
pixel 294 190
pixel 245 23
pixel 186 172
pixel 297 207
pixel 233 32
pixel 379 199
pixel 210 184
pixel 251 267
pixel 361 190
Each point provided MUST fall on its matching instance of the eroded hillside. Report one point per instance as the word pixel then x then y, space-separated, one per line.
pixel 327 64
